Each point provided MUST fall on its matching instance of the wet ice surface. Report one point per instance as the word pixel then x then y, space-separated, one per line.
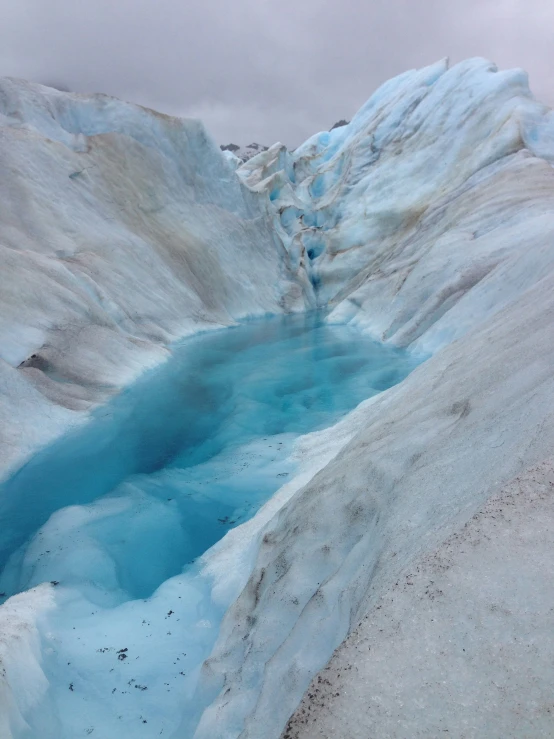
pixel 117 513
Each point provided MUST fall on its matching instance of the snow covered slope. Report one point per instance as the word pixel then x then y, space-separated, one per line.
pixel 121 229
pixel 423 663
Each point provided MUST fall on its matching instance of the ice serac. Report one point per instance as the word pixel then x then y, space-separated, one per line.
pixel 428 222
pixel 121 229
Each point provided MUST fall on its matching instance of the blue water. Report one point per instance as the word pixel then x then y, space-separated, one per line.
pixel 117 513
pixel 275 377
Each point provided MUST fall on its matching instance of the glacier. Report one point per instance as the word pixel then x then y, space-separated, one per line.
pixel 425 224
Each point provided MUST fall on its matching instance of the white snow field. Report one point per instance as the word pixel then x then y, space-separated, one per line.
pixel 427 223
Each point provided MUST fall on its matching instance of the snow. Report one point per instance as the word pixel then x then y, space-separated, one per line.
pixel 242 153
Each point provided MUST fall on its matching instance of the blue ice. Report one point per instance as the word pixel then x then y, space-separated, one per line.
pixel 118 512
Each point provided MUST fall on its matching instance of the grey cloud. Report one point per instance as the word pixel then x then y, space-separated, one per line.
pixel 260 70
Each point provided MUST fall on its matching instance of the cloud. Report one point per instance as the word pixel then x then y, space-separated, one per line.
pixel 260 70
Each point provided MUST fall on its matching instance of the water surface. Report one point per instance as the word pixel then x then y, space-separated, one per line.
pixel 120 510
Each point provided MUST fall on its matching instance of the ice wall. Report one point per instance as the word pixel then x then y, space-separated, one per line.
pixel 438 188
pixel 428 222
pixel 121 229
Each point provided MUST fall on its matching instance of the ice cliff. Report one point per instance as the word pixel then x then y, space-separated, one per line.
pixel 427 221
pixel 121 229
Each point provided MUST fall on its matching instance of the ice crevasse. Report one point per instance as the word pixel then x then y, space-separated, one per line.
pixel 427 222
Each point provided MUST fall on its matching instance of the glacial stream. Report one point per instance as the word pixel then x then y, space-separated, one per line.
pixel 116 514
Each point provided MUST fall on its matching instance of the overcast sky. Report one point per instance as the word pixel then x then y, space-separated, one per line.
pixel 255 70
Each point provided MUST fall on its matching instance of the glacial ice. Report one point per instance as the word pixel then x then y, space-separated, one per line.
pixel 434 216
pixel 461 643
pixel 427 223
pixel 121 231
pixel 401 213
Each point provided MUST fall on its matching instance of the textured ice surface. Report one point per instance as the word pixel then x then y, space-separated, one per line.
pixel 116 515
pixel 121 230
pixel 409 467
pixel 431 210
pixel 427 222
pixel 461 645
